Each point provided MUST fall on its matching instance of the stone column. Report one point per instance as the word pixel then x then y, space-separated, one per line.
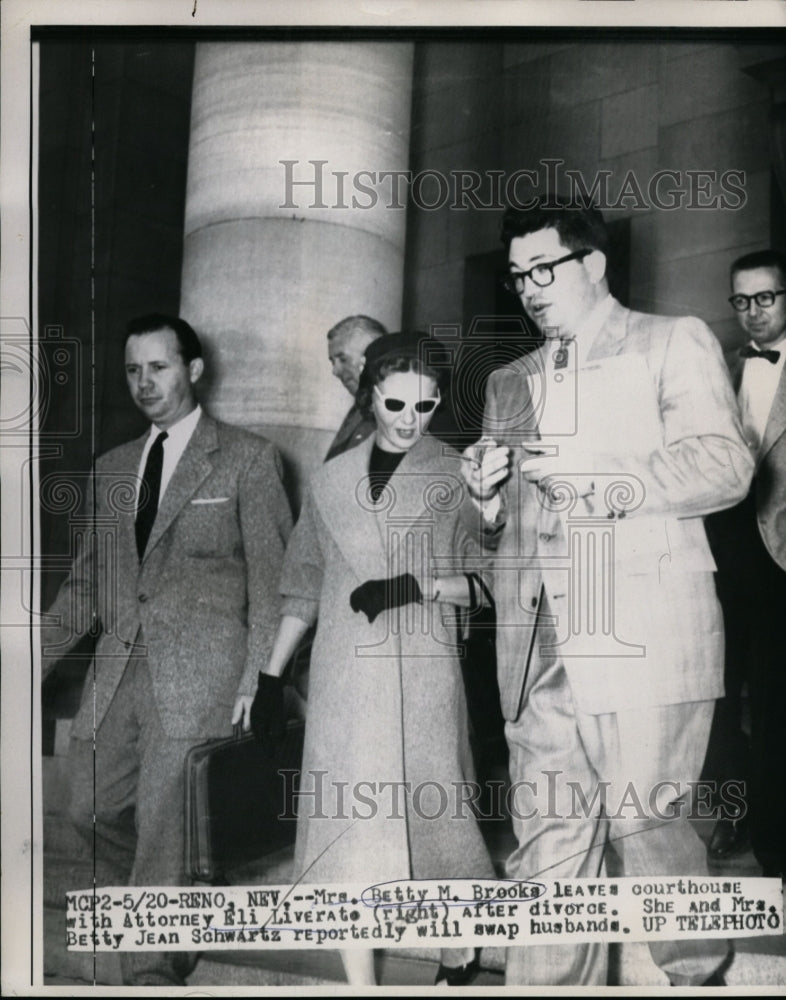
pixel 275 252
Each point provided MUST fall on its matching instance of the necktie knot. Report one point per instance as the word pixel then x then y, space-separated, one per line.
pixel 147 508
pixel 751 352
pixel 561 354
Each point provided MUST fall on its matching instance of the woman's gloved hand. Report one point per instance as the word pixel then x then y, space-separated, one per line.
pixel 268 723
pixel 374 596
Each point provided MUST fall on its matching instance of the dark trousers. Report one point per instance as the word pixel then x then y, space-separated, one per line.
pixel 752 591
pixel 127 799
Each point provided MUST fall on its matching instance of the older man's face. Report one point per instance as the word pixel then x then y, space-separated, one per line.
pixel 763 324
pixel 346 356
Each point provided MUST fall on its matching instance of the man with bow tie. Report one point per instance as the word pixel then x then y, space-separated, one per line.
pixel 749 542
pixel 602 452
pixel 179 572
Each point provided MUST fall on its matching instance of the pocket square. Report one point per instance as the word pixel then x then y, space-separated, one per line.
pixel 210 500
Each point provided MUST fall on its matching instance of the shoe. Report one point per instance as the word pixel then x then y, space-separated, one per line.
pixel 729 837
pixel 459 975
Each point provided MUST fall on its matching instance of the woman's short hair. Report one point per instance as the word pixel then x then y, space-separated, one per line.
pixel 401 352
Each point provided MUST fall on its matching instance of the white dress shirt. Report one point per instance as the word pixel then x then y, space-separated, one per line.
pixel 757 391
pixel 178 436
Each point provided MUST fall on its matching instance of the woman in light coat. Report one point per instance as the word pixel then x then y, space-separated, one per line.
pixel 378 558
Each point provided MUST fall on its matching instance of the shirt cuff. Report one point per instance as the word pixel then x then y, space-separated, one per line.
pixel 489 508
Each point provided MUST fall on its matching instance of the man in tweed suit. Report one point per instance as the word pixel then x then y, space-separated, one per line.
pixel 182 580
pixel 621 711
pixel 347 342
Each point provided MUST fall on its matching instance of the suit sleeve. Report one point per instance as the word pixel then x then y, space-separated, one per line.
pixel 503 430
pixel 304 567
pixel 265 523
pixel 703 463
pixel 75 610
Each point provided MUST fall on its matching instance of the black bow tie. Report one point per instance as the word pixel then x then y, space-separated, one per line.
pixel 751 352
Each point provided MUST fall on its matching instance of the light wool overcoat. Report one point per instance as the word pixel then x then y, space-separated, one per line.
pixel 386 699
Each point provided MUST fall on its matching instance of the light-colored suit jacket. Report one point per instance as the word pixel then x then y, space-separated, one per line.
pixel 203 604
pixel 770 475
pixel 662 594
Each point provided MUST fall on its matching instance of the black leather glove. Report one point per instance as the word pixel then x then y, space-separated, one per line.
pixel 374 596
pixel 268 723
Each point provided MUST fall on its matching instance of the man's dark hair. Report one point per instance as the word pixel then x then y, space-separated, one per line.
pixel 187 340
pixel 578 226
pixel 761 258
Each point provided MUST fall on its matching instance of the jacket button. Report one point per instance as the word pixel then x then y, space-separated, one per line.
pixel 534 602
pixel 142 598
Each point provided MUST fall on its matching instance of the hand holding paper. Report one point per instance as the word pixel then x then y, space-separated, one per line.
pixel 485 466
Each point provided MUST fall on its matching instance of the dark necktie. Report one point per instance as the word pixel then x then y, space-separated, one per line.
pixel 148 496
pixel 750 352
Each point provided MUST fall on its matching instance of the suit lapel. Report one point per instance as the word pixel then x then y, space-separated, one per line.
pixel 349 425
pixel 776 422
pixel 192 469
pixel 127 473
pixel 611 336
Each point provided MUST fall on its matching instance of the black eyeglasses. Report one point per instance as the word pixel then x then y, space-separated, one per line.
pixel 763 300
pixel 541 275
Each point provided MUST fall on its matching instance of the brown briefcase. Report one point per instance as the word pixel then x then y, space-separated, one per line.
pixel 239 804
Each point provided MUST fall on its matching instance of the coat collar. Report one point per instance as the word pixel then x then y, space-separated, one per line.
pixel 607 342
pixel 372 536
pixel 611 335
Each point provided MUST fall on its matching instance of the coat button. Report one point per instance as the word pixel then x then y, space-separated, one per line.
pixel 142 598
pixel 534 602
